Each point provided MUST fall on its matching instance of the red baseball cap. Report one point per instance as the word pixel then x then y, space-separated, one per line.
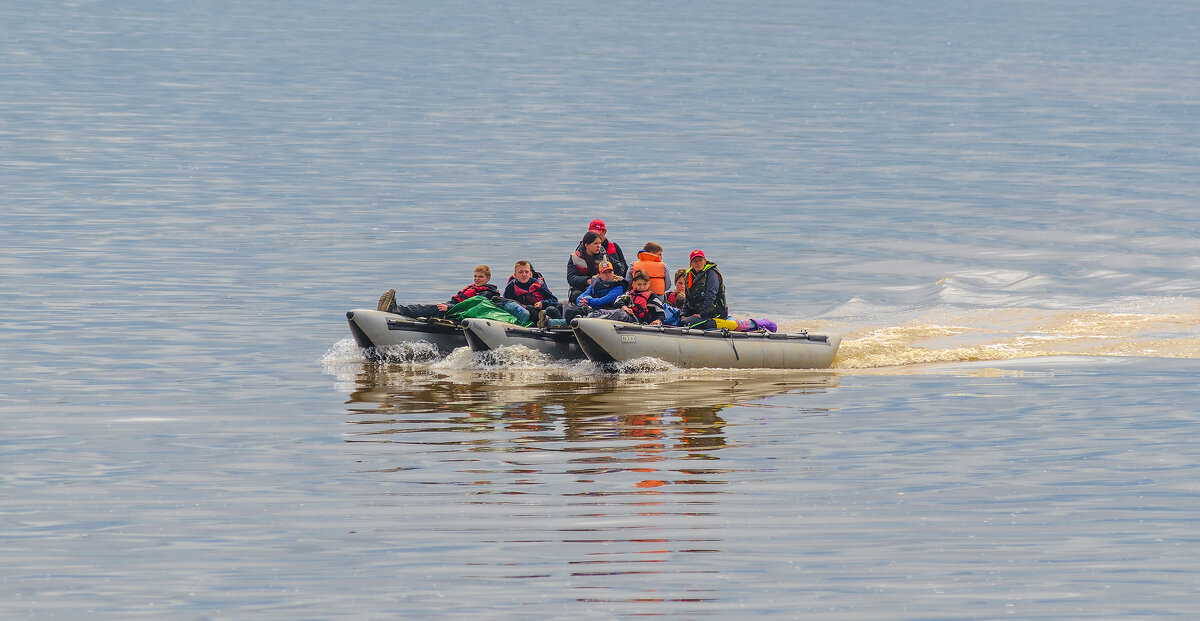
pixel 597 225
pixel 696 253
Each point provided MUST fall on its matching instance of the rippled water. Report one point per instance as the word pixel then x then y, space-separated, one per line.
pixel 993 202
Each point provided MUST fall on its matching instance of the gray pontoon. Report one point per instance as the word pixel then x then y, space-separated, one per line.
pixel 486 335
pixel 605 341
pixel 374 329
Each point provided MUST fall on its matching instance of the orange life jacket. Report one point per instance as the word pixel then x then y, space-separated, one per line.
pixel 653 266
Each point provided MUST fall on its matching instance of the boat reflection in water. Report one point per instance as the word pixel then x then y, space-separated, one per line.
pixel 619 485
pixel 562 402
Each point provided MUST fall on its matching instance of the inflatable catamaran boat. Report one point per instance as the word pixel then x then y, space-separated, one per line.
pixel 602 341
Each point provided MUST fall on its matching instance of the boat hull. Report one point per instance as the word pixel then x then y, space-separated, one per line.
pixel 487 335
pixel 605 341
pixel 374 329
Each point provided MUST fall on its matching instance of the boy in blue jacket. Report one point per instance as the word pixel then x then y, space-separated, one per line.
pixel 602 293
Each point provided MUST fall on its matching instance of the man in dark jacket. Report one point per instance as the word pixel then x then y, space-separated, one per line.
pixel 704 300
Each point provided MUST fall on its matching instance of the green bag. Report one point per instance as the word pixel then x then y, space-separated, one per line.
pixel 482 308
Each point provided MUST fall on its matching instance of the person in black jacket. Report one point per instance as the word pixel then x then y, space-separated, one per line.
pixel 584 264
pixel 479 286
pixel 527 294
pixel 704 299
pixel 612 251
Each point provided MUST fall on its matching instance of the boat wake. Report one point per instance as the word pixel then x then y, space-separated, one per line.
pixel 1160 329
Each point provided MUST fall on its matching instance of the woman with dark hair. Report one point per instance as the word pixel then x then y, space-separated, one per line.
pixel 584 264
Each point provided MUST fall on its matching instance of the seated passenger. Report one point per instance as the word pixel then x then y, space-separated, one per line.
pixel 638 306
pixel 480 286
pixel 584 264
pixel 704 298
pixel 675 297
pixel 614 253
pixel 650 261
pixel 527 295
pixel 602 293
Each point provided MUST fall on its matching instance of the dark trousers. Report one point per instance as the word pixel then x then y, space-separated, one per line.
pixel 707 324
pixel 419 310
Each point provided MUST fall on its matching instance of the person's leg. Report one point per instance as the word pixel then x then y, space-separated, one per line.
pixel 515 309
pixel 387 301
pixel 619 314
pixel 418 310
pixel 725 324
pixel 569 312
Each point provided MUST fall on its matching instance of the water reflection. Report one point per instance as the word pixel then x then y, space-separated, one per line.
pixel 661 410
pixel 613 484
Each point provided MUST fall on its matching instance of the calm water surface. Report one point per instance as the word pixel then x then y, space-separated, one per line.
pixel 995 203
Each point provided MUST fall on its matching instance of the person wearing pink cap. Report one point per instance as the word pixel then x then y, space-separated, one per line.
pixel 584 264
pixel 612 251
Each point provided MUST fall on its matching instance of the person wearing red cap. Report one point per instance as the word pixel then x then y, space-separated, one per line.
pixel 704 299
pixel 584 264
pixel 612 251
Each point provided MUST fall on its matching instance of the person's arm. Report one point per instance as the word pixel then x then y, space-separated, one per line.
pixel 586 295
pixel 655 308
pixel 550 299
pixel 620 265
pixel 576 280
pixel 712 286
pixel 609 297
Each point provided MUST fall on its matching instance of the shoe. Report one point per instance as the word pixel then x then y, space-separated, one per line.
pixel 766 324
pixel 543 321
pixel 387 301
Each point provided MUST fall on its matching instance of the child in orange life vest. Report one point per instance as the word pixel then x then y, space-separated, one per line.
pixel 479 286
pixel 638 306
pixel 650 261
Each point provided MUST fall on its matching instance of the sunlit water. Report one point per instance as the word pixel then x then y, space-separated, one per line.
pixel 994 203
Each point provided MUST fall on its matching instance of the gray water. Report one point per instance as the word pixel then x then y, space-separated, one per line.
pixel 995 203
